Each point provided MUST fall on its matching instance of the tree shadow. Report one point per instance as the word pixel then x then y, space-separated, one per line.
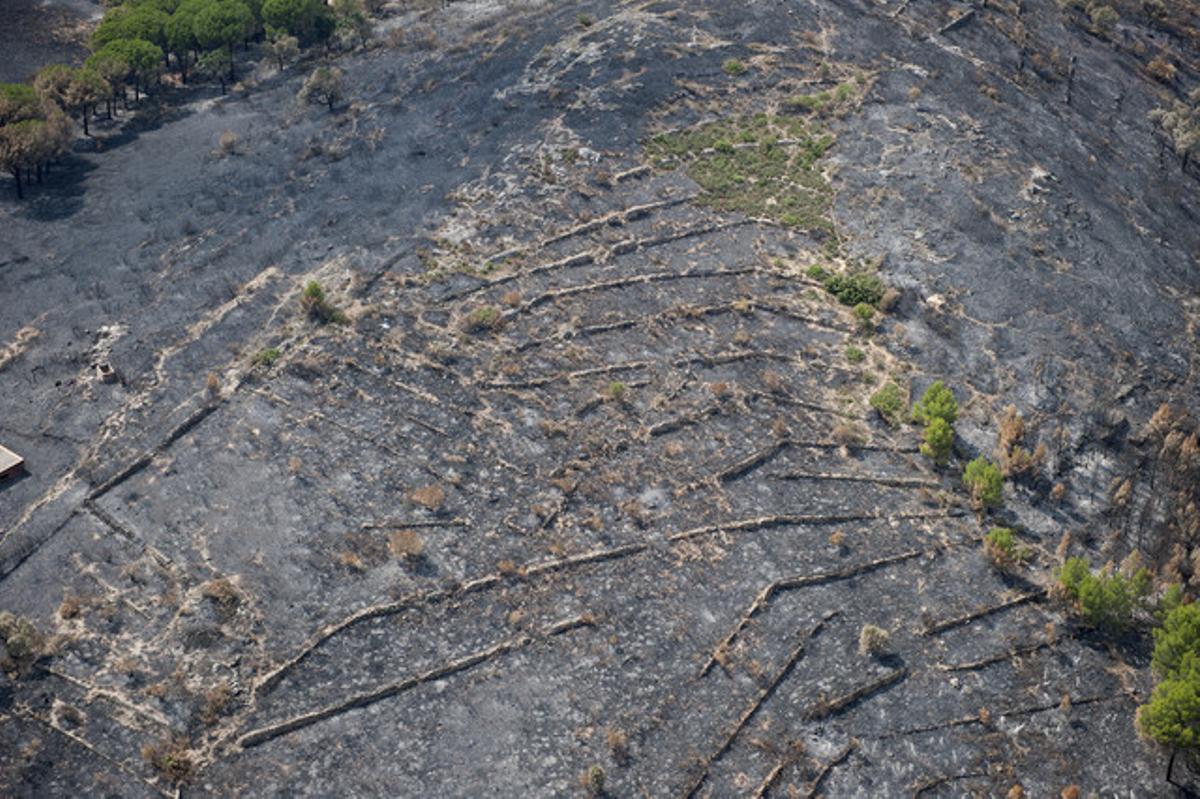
pixel 169 106
pixel 60 194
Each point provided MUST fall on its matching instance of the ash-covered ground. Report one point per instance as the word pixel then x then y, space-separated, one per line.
pixel 588 476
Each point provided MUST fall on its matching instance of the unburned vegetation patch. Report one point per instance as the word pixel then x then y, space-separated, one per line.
pixel 764 165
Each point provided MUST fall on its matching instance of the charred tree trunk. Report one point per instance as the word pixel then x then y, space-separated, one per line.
pixel 16 173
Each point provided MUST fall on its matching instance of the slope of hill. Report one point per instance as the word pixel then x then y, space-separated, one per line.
pixel 585 475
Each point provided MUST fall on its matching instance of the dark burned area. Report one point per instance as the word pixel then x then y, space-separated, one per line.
pixel 586 477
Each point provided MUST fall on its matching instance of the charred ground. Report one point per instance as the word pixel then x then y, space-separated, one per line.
pixel 587 477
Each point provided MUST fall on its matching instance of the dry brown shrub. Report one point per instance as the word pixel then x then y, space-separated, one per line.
pixel 430 497
pixel 405 544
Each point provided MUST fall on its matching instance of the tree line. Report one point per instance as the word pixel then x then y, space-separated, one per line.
pixel 136 42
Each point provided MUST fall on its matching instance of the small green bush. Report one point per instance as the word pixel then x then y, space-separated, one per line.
pixel 873 640
pixel 267 357
pixel 985 482
pixel 937 402
pixel 595 781
pixel 1001 546
pixel 817 272
pixel 1104 19
pixel 1107 599
pixel 314 301
pixel 855 355
pixel 617 390
pixel 484 319
pixel 733 67
pixel 865 314
pixel 938 441
pixel 855 288
pixel 20 637
pixel 888 402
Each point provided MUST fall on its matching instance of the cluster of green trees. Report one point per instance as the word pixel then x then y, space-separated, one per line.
pixel 203 33
pixel 139 39
pixel 33 132
pixel 1172 716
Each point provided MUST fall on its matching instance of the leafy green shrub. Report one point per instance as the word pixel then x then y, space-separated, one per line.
pixel 937 402
pixel 985 482
pixel 855 288
pixel 267 357
pixel 1001 546
pixel 1172 716
pixel 594 781
pixel 733 67
pixel 314 301
pixel 865 314
pixel 855 355
pixel 873 640
pixel 1107 599
pixel 1104 19
pixel 888 402
pixel 1178 636
pixel 939 440
pixel 617 390
pixel 817 272
pixel 20 637
pixel 1171 599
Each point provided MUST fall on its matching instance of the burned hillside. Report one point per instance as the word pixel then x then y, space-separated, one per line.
pixel 538 421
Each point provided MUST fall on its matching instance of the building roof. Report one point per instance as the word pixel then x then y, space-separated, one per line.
pixel 9 462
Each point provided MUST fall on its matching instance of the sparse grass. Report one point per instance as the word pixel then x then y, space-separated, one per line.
pixel 763 166
pixel 823 101
pixel 618 745
pixel 267 357
pixel 849 435
pixel 733 67
pixel 484 319
pixel 72 607
pixel 216 702
pixel 170 758
pixel 616 391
